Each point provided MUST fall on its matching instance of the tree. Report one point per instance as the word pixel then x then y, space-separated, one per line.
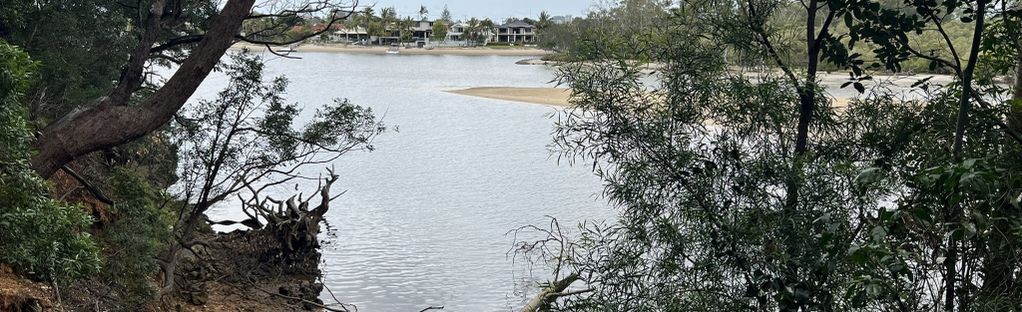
pixel 122 118
pixel 472 30
pixel 388 14
pixel 247 141
pixel 544 21
pixel 423 13
pixel 487 27
pixel 389 20
pixel 440 31
pixel 406 29
pixel 758 194
pixel 445 16
pixel 367 18
pixel 376 29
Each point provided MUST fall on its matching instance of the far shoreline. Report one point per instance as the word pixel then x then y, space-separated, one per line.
pixel 382 50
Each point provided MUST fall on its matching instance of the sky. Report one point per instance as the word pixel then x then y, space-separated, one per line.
pixel 497 10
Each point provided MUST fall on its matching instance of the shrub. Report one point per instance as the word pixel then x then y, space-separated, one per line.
pixel 141 230
pixel 39 236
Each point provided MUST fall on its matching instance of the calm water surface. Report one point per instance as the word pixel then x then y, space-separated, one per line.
pixel 424 218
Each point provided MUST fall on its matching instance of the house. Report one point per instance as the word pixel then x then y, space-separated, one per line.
pixel 350 34
pixel 457 32
pixel 516 32
pixel 422 30
pixel 561 19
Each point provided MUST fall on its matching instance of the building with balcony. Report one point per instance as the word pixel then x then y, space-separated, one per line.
pixel 516 32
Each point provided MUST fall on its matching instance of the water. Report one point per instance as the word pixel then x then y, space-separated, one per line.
pixel 424 218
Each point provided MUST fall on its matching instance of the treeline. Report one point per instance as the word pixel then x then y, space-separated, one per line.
pixel 385 22
pixel 639 23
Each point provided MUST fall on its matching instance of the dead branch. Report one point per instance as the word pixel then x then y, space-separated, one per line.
pixel 88 186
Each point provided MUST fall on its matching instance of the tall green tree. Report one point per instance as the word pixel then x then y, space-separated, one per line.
pixel 423 13
pixel 446 17
pixel 544 21
pixel 440 31
pixel 741 193
pixel 191 34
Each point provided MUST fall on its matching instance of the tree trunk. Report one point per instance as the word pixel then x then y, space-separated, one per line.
pixel 1017 89
pixel 955 211
pixel 112 122
pixel 548 294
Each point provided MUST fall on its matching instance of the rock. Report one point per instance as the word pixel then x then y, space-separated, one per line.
pixel 535 61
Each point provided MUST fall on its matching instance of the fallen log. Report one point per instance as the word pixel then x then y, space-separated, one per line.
pixel 550 293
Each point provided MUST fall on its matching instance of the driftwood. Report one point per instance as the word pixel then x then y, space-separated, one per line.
pixel 293 222
pixel 550 293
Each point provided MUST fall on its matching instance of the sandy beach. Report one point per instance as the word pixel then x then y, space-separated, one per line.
pixel 546 96
pixel 338 48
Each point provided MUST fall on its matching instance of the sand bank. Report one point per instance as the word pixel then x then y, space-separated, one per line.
pixel 547 96
pixel 339 48
pixel 552 96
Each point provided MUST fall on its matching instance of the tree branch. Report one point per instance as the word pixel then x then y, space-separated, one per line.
pixel 110 125
pixel 88 186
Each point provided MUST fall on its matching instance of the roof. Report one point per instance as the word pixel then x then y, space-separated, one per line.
pixel 516 24
pixel 352 31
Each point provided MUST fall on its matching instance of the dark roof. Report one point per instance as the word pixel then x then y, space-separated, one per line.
pixel 516 24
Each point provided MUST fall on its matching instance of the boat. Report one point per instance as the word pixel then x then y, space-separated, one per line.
pixel 291 48
pixel 394 49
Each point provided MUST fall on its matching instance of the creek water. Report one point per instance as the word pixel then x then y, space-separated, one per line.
pixel 424 218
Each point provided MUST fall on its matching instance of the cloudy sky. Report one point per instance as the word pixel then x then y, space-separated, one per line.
pixel 497 10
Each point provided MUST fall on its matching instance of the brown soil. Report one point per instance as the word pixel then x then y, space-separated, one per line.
pixel 19 294
pixel 249 271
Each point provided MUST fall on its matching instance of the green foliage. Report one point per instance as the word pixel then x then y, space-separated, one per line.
pixel 82 45
pixel 250 134
pixel 700 162
pixel 439 30
pixel 634 27
pixel 131 243
pixel 39 236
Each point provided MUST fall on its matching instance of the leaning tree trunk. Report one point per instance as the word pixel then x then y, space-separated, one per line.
pixel 548 294
pixel 112 122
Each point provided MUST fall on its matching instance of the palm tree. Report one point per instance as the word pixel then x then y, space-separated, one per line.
pixel 366 18
pixel 388 16
pixel 388 13
pixel 487 26
pixel 423 12
pixel 544 21
pixel 406 29
pixel 472 30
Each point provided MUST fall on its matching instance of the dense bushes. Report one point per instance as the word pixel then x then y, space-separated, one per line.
pixel 39 236
pixel 131 242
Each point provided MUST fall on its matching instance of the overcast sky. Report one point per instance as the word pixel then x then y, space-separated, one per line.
pixel 497 10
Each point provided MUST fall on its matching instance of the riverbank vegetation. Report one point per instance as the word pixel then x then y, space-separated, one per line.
pixel 94 137
pixel 755 193
pixel 638 22
pixel 738 191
